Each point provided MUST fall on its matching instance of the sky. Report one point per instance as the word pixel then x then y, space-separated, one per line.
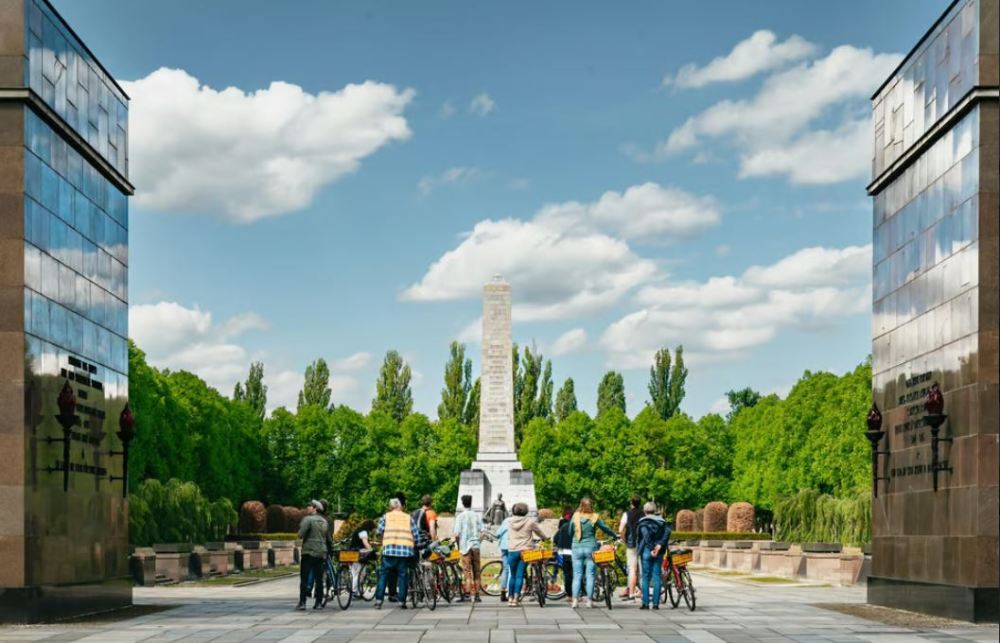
pixel 339 179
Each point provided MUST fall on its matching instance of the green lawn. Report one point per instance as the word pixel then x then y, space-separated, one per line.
pixel 247 576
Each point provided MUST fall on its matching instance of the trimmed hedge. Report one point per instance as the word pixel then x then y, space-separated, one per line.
pixel 267 536
pixel 719 535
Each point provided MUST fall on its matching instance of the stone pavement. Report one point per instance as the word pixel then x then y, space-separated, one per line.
pixel 728 610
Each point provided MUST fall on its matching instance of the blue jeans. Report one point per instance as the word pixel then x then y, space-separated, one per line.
pixel 651 566
pixel 515 578
pixel 505 569
pixel 399 565
pixel 583 557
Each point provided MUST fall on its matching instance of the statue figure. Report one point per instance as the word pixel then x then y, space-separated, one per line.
pixel 496 513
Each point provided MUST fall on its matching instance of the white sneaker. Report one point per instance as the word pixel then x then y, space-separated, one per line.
pixel 574 604
pixel 590 603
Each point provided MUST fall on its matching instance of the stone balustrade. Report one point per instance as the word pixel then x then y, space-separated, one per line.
pixel 176 562
pixel 820 562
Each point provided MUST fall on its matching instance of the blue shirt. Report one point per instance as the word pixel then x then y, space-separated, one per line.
pixel 468 527
pixel 502 534
pixel 399 551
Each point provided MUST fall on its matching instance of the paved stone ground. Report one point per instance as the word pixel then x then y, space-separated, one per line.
pixel 728 610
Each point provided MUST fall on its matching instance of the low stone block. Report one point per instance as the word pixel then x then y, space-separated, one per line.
pixel 714 557
pixel 822 548
pixel 744 560
pixel 773 545
pixel 201 565
pixel 172 548
pixel 174 566
pixel 781 563
pixel 253 559
pixel 142 566
pixel 221 561
pixel 738 544
pixel 840 569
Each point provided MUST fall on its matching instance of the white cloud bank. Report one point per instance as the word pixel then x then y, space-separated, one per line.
pixel 569 342
pixel 249 155
pixel 451 176
pixel 723 317
pixel 760 52
pixel 571 258
pixel 482 104
pixel 181 338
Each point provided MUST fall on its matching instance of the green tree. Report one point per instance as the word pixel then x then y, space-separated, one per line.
pixel 611 393
pixel 239 395
pixel 457 384
pixel 471 415
pixel 565 400
pixel 741 399
pixel 392 390
pixel 666 382
pixel 316 387
pixel 256 390
pixel 544 405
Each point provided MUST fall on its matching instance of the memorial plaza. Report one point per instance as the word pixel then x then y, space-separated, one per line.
pixel 728 610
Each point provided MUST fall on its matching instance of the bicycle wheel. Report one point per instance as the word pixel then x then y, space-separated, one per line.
pixel 456 580
pixel 554 589
pixel 429 585
pixel 541 581
pixel 442 581
pixel 368 581
pixel 342 587
pixel 609 590
pixel 413 586
pixel 489 578
pixel 688 588
pixel 673 589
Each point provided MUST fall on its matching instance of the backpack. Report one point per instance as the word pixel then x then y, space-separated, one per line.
pixel 419 516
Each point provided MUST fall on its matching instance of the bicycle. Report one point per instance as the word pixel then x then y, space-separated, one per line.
pixel 489 578
pixel 421 586
pixel 341 583
pixel 444 560
pixel 677 579
pixel 604 587
pixel 535 575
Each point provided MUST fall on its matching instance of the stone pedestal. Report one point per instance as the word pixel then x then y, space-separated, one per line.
pixel 143 566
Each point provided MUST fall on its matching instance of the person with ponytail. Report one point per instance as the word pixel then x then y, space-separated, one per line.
pixel 585 525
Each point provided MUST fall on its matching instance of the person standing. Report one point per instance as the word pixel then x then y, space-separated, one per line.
pixel 361 541
pixel 653 534
pixel 627 532
pixel 468 531
pixel 427 520
pixel 502 543
pixel 563 541
pixel 585 525
pixel 393 580
pixel 399 533
pixel 519 537
pixel 313 532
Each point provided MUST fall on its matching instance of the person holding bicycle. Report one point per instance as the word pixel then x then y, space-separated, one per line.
pixel 399 534
pixel 503 543
pixel 563 541
pixel 519 537
pixel 468 530
pixel 361 541
pixel 653 534
pixel 585 525
pixel 627 532
pixel 313 531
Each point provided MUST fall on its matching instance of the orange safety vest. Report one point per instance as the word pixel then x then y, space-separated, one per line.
pixel 397 529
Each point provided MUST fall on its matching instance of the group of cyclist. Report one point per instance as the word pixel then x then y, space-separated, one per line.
pixel 407 537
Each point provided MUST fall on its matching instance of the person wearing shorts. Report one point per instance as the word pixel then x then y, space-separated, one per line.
pixel 468 531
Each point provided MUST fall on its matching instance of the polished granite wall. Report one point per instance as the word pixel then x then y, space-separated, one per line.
pixel 935 188
pixel 63 296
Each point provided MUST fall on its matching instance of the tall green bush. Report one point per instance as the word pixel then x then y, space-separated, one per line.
pixel 810 516
pixel 177 512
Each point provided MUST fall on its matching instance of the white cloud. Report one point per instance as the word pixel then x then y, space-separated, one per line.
pixel 283 389
pixel 453 175
pixel 721 406
pixel 760 52
pixel 569 342
pixel 447 109
pixel 482 104
pixel 724 317
pixel 821 156
pixel 723 249
pixel 174 336
pixel 354 362
pixel 568 260
pixel 772 129
pixel 250 155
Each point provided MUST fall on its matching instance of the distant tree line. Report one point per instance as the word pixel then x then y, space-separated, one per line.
pixel 766 449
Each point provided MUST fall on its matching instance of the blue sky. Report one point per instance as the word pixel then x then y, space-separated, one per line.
pixel 333 180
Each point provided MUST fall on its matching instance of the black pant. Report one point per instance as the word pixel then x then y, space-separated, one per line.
pixel 311 565
pixel 567 568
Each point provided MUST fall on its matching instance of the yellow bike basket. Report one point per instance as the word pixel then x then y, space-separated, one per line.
pixel 348 556
pixel 454 555
pixel 532 555
pixel 604 556
pixel 681 557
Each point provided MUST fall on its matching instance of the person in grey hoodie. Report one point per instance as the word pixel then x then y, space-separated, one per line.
pixel 651 543
pixel 314 532
pixel 520 531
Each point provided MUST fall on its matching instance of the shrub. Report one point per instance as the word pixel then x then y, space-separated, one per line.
pixel 699 519
pixel 718 535
pixel 177 512
pixel 685 520
pixel 275 519
pixel 740 517
pixel 810 516
pixel 545 514
pixel 292 517
pixel 253 517
pixel 715 517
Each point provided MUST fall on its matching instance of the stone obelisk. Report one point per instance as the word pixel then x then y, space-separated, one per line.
pixel 496 469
